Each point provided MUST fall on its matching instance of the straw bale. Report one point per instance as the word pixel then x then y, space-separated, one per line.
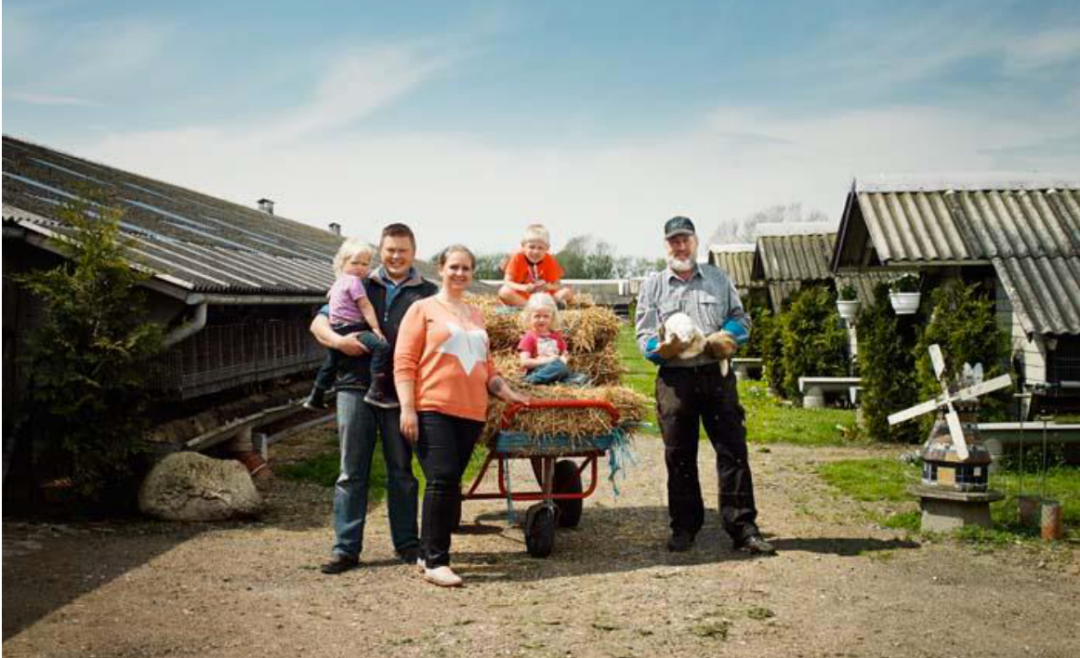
pixel 603 368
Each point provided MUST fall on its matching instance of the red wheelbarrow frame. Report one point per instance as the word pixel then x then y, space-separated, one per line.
pixel 547 461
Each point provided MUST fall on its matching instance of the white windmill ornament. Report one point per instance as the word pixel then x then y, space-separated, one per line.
pixel 956 465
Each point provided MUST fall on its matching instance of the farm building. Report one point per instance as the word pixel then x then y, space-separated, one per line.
pixel 737 260
pixel 235 286
pixel 1020 239
pixel 790 256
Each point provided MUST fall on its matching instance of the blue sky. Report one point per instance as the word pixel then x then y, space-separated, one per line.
pixel 470 119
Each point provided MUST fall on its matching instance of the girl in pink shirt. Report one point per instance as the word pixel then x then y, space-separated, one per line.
pixel 351 311
pixel 444 372
pixel 542 349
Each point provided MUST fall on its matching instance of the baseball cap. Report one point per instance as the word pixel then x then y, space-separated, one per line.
pixel 678 226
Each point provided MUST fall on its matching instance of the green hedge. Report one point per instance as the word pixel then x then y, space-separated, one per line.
pixel 964 325
pixel 887 367
pixel 771 345
pixel 814 341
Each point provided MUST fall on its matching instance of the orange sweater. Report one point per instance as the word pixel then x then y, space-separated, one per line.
pixel 447 359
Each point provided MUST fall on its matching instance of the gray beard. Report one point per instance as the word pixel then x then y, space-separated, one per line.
pixel 680 264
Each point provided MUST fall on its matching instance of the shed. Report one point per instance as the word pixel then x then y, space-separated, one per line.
pixel 737 260
pixel 789 256
pixel 1022 231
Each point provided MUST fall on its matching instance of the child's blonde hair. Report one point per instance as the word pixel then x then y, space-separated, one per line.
pixel 536 233
pixel 351 247
pixel 540 301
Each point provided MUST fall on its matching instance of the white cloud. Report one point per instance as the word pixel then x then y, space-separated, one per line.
pixel 79 60
pixel 1043 49
pixel 354 85
pixel 34 98
pixel 462 188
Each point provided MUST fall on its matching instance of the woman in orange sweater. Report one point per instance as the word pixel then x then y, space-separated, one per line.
pixel 444 373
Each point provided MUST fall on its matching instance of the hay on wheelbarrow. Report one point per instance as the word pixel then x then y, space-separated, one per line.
pixel 570 423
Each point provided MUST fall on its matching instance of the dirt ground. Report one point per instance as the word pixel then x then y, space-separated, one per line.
pixel 840 586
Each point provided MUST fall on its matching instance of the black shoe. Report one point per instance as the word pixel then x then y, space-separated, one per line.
pixel 315 401
pixel 755 545
pixel 379 394
pixel 409 555
pixel 680 541
pixel 339 564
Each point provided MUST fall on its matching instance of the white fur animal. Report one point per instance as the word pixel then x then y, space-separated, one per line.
pixel 689 333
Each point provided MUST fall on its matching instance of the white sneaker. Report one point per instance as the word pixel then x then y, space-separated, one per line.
pixel 420 566
pixel 442 576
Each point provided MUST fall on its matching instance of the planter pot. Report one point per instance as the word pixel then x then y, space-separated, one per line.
pixel 905 303
pixel 848 308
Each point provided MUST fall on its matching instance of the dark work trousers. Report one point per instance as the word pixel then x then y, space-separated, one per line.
pixel 381 356
pixel 685 397
pixel 444 447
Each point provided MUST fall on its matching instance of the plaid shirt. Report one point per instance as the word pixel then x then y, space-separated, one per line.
pixel 708 297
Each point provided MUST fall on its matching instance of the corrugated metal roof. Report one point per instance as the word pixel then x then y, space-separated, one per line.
pixel 1031 235
pixel 794 257
pixel 1045 292
pixel 738 262
pixel 927 226
pixel 209 244
pixel 193 240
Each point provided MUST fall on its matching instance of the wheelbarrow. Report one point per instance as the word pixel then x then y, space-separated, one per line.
pixel 559 501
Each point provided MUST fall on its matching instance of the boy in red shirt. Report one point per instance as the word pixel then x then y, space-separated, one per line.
pixel 533 270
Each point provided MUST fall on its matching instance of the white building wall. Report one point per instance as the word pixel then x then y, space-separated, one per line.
pixel 1032 352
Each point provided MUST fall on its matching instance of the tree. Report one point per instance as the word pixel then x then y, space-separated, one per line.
pixel 746 229
pixel 490 266
pixel 90 360
pixel 583 257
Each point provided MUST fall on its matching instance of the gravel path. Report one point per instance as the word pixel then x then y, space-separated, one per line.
pixel 839 587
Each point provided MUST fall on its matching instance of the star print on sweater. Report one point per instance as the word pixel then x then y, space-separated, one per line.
pixel 470 346
pixel 447 359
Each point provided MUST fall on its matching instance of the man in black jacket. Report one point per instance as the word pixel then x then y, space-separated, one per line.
pixel 392 288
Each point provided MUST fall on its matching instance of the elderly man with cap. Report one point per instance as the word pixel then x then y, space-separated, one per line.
pixel 699 389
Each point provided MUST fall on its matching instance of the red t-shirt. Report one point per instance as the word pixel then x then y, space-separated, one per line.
pixel 536 345
pixel 520 270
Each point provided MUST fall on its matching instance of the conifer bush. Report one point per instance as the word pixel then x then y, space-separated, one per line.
pixel 89 363
pixel 813 339
pixel 963 323
pixel 887 368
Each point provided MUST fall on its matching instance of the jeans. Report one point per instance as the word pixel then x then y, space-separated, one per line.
pixel 358 424
pixel 382 356
pixel 443 448
pixel 685 397
pixel 556 371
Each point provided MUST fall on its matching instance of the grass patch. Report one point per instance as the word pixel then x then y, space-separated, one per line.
pixel 887 480
pixel 323 469
pixel 768 420
pixel 871 480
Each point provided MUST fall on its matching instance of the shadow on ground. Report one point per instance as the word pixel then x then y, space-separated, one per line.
pixel 48 563
pixel 625 539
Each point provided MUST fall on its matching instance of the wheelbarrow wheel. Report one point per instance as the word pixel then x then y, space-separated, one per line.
pixel 568 480
pixel 540 530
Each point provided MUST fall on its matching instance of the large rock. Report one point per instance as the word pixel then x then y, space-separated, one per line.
pixel 187 486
